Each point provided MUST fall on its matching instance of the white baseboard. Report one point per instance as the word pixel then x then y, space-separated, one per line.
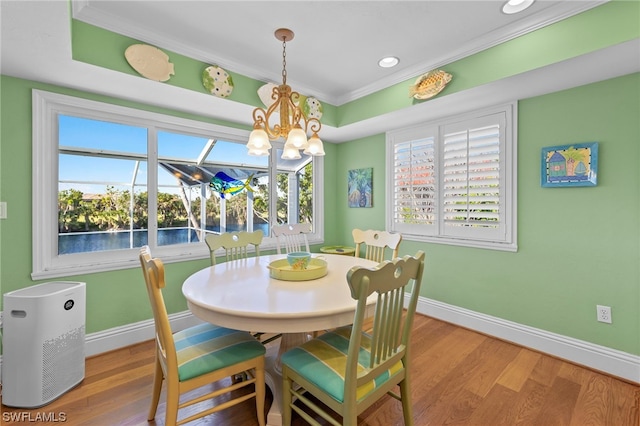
pixel 130 334
pixel 607 360
pixel 600 358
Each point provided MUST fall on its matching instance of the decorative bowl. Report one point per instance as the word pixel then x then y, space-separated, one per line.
pixel 299 260
pixel 281 270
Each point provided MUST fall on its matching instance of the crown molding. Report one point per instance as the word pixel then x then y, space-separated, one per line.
pixel 544 18
pixel 82 10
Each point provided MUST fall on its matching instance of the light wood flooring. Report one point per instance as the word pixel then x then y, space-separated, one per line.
pixel 459 377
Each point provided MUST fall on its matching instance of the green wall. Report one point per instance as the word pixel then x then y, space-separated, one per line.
pixel 578 247
pixel 113 298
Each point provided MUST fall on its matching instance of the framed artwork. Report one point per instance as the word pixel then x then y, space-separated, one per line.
pixel 569 165
pixel 360 187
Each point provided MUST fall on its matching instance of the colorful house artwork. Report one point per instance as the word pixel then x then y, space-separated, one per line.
pixel 557 165
pixel 570 165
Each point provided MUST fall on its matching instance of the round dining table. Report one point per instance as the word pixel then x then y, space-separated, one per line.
pixel 242 294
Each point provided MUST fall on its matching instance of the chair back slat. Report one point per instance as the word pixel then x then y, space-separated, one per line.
pixel 153 271
pixel 376 243
pixel 235 244
pixel 388 319
pixel 292 237
pixel 391 324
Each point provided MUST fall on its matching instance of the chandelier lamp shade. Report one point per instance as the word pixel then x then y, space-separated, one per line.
pixel 293 125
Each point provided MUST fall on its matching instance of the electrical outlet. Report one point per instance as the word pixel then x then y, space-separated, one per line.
pixel 604 313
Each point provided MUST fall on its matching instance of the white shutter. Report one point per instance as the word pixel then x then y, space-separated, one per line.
pixel 414 186
pixel 472 186
pixel 453 181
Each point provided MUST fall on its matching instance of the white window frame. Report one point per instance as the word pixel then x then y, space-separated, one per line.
pixel 45 110
pixel 435 231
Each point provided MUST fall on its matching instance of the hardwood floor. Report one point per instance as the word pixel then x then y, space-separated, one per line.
pixel 459 377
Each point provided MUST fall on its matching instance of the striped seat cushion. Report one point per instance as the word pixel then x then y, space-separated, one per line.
pixel 206 347
pixel 323 362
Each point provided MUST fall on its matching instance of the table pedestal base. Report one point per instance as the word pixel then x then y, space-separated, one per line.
pixel 273 372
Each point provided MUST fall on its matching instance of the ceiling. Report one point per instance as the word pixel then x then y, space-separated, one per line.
pixel 337 45
pixel 333 56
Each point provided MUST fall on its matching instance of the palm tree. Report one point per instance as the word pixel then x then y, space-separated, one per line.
pixel 573 157
pixel 359 186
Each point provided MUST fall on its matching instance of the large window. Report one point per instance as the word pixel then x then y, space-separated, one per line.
pixel 109 179
pixel 453 181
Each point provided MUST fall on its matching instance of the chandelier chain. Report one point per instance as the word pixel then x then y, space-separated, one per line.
pixel 284 61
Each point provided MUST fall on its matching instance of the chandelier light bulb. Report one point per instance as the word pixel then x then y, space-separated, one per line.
pixel 297 137
pixel 315 146
pixel 259 139
pixel 256 152
pixel 290 153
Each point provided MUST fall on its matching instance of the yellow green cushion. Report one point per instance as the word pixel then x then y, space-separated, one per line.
pixel 206 347
pixel 323 362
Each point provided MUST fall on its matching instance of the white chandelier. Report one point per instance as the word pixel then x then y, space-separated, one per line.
pixel 285 102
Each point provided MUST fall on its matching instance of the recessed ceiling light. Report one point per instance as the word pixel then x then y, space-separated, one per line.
pixel 388 62
pixel 515 6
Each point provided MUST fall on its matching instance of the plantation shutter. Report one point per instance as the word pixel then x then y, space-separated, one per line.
pixel 453 181
pixel 414 181
pixel 473 179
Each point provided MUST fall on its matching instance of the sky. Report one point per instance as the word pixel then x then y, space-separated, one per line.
pixel 95 173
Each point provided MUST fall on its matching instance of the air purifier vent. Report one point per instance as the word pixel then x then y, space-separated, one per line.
pixel 60 358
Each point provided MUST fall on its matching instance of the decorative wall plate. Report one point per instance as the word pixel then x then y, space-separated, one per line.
pixel 429 84
pixel 312 108
pixel 217 81
pixel 149 62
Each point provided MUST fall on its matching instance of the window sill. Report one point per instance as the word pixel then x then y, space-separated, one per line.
pixel 487 245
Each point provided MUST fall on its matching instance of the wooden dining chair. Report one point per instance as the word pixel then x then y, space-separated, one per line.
pixel 375 243
pixel 198 356
pixel 348 370
pixel 235 244
pixel 292 237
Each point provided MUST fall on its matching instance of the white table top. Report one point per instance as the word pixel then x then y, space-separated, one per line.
pixel 242 295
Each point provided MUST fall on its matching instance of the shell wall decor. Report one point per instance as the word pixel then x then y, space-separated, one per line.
pixel 429 84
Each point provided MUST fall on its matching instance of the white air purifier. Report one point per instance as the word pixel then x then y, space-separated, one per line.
pixel 43 342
